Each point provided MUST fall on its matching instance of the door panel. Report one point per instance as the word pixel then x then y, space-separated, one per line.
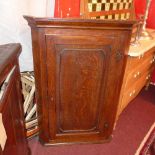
pixel 79 86
pixel 77 70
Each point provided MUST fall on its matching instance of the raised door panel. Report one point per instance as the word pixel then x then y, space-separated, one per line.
pixel 77 70
pixel 80 81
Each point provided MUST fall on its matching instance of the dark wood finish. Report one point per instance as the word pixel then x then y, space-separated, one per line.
pixel 138 73
pixel 11 102
pixel 77 84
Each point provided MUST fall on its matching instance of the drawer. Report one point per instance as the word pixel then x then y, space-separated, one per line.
pixel 139 71
pixel 133 91
pixel 138 61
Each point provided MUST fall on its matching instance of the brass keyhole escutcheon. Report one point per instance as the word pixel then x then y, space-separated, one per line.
pixel 106 125
pixel 119 56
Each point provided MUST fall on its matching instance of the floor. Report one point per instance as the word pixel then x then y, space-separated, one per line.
pixel 131 127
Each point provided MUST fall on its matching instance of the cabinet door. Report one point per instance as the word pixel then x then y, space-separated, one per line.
pixel 78 69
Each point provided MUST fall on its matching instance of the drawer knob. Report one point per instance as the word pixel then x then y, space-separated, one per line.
pixel 148 77
pixel 137 74
pixel 152 61
pixel 134 91
pixel 130 94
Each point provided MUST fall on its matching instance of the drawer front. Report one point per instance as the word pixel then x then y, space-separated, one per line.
pixel 134 62
pixel 136 73
pixel 133 91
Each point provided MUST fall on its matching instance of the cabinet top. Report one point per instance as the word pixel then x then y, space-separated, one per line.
pixel 77 22
pixel 8 53
pixel 145 45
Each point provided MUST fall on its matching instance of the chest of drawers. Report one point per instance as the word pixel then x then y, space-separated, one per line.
pixel 137 75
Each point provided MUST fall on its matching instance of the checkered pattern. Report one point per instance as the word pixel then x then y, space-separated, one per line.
pixel 107 5
pixel 122 16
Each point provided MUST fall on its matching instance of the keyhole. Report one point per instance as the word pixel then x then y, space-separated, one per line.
pixel 106 125
pixel 119 56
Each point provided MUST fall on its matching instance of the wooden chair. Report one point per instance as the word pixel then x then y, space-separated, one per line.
pixel 107 9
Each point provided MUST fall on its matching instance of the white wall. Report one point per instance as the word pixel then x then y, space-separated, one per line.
pixel 14 28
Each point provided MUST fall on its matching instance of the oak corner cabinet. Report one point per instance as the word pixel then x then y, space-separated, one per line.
pixel 79 66
pixel 11 107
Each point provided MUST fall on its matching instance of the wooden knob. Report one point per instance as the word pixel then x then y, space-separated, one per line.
pixel 151 61
pixel 134 91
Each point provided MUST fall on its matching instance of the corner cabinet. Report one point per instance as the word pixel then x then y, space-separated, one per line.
pixel 79 66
